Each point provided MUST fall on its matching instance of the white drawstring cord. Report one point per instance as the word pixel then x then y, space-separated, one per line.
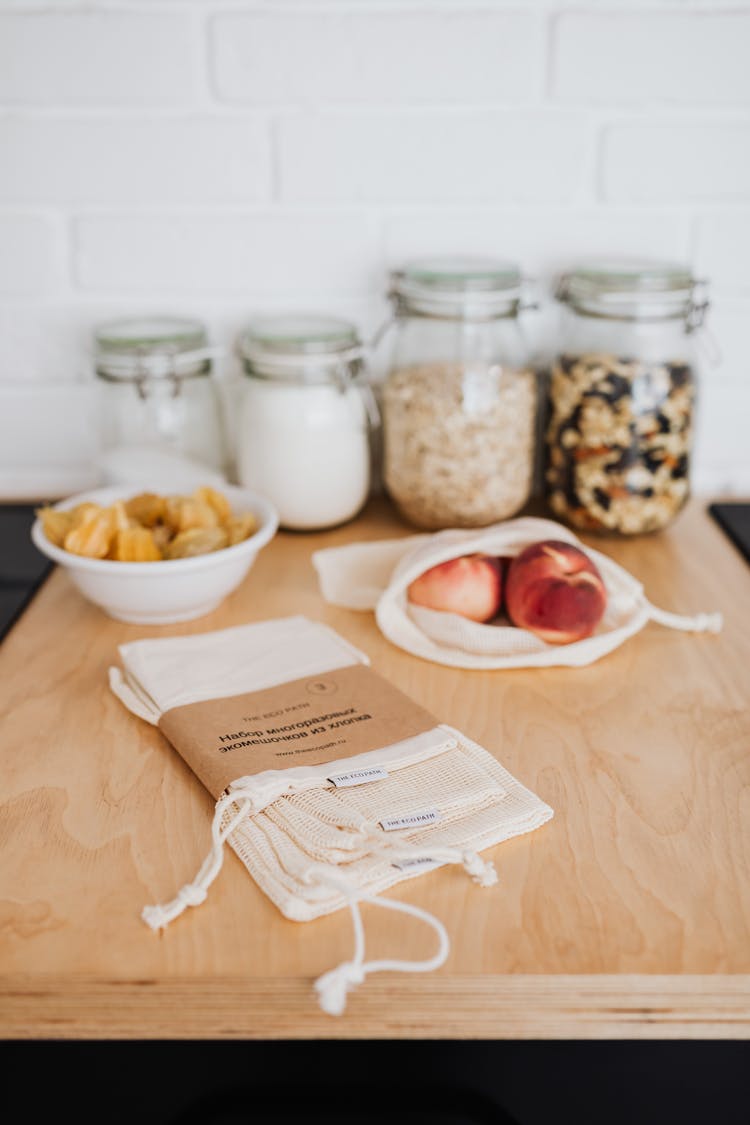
pixel 333 987
pixel 699 623
pixel 193 894
pixel 159 915
pixel 481 871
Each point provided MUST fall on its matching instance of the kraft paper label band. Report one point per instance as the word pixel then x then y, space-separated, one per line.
pixel 306 722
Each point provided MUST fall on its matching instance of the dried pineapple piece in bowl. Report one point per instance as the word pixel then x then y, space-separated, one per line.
pixel 197 541
pixel 135 544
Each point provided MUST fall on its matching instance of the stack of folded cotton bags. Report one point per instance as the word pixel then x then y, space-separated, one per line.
pixel 314 845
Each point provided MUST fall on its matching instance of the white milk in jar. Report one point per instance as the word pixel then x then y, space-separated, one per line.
pixel 303 429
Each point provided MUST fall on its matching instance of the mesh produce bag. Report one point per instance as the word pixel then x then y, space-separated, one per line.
pixel 283 863
pixel 330 784
pixel 336 826
pixel 375 576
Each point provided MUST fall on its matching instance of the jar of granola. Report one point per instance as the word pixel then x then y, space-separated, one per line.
pixel 622 396
pixel 459 401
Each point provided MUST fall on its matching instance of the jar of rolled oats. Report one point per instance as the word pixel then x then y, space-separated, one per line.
pixel 459 400
pixel 622 396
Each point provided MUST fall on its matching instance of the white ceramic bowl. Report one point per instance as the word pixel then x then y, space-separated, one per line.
pixel 161 593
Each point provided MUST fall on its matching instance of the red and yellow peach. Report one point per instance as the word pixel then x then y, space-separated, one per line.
pixel 554 590
pixel 470 586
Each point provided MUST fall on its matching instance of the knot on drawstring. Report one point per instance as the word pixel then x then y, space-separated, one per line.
pixel 192 894
pixel 482 871
pixel 333 987
pixel 155 916
pixel 159 916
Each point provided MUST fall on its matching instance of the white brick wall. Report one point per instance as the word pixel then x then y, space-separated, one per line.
pixel 135 160
pixel 722 249
pixel 112 58
pixel 403 56
pixel 267 254
pixel 691 58
pixel 432 155
pixel 29 256
pixel 224 158
pixel 677 161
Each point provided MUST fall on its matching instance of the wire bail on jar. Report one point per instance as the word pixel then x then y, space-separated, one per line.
pixel 345 366
pixel 142 377
pixel 142 351
pixel 475 290
pixel 640 291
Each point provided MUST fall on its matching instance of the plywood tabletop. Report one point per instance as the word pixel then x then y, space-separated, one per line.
pixel 627 915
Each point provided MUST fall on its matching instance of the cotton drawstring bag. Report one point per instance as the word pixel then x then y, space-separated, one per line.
pixel 435 797
pixel 376 576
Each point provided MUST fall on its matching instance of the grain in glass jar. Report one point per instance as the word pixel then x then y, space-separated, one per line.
pixel 303 435
pixel 622 396
pixel 459 401
pixel 158 394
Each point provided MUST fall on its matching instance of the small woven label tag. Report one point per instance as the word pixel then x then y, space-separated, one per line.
pixel 413 820
pixel 424 863
pixel 358 777
pixel 306 722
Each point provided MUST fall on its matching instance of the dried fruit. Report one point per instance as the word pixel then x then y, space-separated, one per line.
pixel 161 536
pixel 197 541
pixel 241 527
pixel 147 508
pixel 185 512
pixel 56 524
pixel 148 527
pixel 120 520
pixel 82 512
pixel 619 441
pixel 215 500
pixel 92 536
pixel 135 544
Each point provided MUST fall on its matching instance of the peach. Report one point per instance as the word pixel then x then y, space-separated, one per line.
pixel 554 590
pixel 470 586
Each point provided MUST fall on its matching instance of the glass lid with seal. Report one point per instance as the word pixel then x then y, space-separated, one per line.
pixel 465 284
pixel 632 289
pixel 152 347
pixel 287 345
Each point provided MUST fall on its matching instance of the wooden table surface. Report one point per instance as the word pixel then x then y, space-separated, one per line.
pixel 627 915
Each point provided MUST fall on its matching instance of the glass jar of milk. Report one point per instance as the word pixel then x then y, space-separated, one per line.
pixel 303 434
